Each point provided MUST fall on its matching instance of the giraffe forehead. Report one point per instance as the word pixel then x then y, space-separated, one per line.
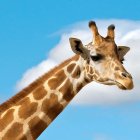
pixel 90 46
pixel 93 52
pixel 105 48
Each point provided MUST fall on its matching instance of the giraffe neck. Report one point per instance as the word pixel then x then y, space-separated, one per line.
pixel 30 112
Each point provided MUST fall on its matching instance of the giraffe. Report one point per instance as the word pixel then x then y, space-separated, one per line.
pixel 27 114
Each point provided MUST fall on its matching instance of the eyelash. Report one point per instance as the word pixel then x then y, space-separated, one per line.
pixel 96 57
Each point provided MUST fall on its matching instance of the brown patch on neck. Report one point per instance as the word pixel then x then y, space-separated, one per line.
pixel 52 107
pixel 39 93
pixel 71 67
pixel 87 80
pixel 37 126
pixel 76 73
pixel 79 86
pixel 6 119
pixel 67 91
pixel 14 133
pixel 27 108
pixel 55 111
pixel 57 81
pixel 34 85
pixel 48 103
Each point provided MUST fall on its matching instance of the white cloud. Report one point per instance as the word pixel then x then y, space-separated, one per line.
pixel 127 33
pixel 35 72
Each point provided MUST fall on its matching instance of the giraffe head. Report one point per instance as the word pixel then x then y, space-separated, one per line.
pixel 103 59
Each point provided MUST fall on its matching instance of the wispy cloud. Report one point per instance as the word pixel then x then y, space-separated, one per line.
pixel 127 33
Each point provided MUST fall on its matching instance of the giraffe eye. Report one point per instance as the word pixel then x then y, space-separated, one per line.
pixel 96 57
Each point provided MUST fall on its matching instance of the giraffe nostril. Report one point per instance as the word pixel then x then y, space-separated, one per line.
pixel 124 74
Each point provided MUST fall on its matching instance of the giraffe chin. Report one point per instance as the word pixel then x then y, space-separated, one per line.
pixel 111 82
pixel 125 86
pixel 120 86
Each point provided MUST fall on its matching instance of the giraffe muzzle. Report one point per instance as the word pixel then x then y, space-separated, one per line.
pixel 124 81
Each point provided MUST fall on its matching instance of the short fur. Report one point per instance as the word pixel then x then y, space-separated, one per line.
pixel 33 85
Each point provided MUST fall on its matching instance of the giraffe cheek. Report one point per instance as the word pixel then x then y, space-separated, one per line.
pixel 87 69
pixel 91 71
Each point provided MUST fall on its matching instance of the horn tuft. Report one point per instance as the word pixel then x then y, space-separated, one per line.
pixel 111 27
pixel 110 32
pixel 91 23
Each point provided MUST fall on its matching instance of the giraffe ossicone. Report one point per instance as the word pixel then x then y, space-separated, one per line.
pixel 27 114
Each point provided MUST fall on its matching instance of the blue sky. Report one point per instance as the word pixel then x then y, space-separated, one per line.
pixel 25 40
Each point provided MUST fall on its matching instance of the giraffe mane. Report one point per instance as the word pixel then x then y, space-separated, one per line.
pixel 27 90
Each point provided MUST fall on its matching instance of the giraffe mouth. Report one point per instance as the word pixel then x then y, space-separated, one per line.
pixel 114 82
pixel 120 86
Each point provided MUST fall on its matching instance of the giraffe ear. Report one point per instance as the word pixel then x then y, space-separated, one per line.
pixel 78 48
pixel 122 51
